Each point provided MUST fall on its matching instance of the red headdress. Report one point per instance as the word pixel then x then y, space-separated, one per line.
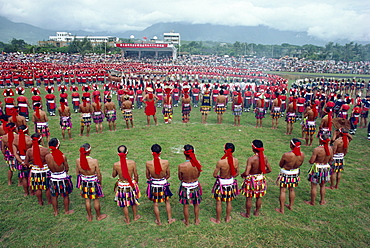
pixel 51 88
pixel 261 157
pixel 157 163
pixel 20 90
pixel 193 160
pixel 62 87
pixel 297 148
pixel 36 152
pixel 326 145
pixel 167 91
pixel 57 154
pixel 83 160
pixel 8 92
pixel 230 160
pixel 35 90
pixel 124 169
pixel 73 88
pixel 86 87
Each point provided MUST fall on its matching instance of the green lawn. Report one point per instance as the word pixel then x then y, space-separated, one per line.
pixel 343 222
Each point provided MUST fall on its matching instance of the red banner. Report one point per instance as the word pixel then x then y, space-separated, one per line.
pixel 144 45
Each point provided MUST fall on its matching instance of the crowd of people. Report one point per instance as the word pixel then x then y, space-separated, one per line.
pixel 41 166
pixel 46 169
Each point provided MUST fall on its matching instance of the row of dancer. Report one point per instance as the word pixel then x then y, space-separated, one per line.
pixel 46 169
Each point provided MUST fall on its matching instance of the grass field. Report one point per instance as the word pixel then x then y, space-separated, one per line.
pixel 342 222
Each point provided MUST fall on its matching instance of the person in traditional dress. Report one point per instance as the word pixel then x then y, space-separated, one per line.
pixel 289 174
pixel 190 191
pixel 254 185
pixel 225 189
pixel 65 119
pixel 60 182
pixel 40 173
pixel 237 107
pixel 319 173
pixel 150 100
pixel 110 113
pixel 340 149
pixel 126 188
pixel 157 173
pixel 89 181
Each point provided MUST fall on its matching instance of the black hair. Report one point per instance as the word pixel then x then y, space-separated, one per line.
pixel 54 142
pixel 257 143
pixel 35 135
pixel 22 127
pixel 156 148
pixel 188 147
pixel 295 140
pixel 86 146
pixel 10 124
pixel 4 117
pixel 230 146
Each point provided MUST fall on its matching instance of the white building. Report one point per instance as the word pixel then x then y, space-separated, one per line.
pixel 68 37
pixel 171 38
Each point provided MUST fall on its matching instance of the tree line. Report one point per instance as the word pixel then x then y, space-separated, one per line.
pixel 331 51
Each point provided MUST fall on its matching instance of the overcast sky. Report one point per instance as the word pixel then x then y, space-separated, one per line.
pixel 324 19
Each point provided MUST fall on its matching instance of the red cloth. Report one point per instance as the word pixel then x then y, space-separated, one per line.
pixel 62 106
pixel 330 117
pixel 261 157
pixel 230 161
pixel 124 169
pixel 297 148
pixel 22 142
pixel 240 99
pixel 279 101
pixel 97 103
pixel 14 115
pixel 150 108
pixel 314 109
pixel 36 153
pixel 193 160
pixel 326 146
pixel 57 155
pixel 157 163
pixel 345 139
pixel 83 160
pixel 37 112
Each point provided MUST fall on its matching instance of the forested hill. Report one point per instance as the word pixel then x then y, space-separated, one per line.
pixel 189 32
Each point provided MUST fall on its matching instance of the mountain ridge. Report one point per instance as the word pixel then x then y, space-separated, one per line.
pixel 188 32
